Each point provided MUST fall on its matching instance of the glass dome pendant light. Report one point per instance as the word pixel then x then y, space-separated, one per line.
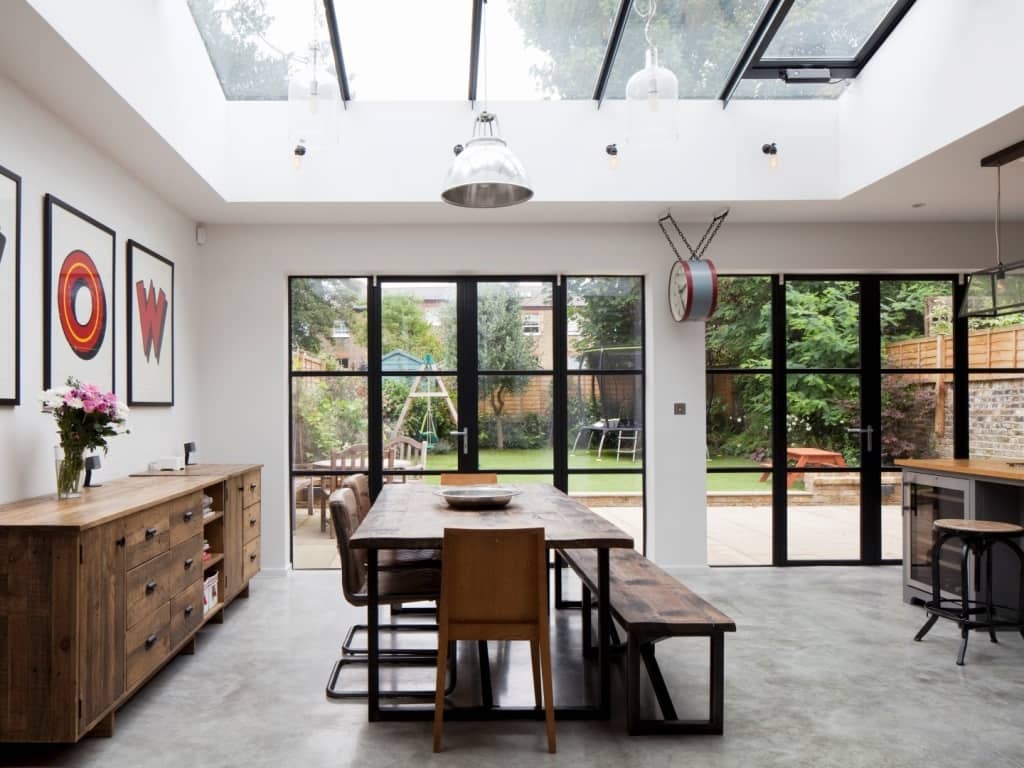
pixel 653 89
pixel 486 173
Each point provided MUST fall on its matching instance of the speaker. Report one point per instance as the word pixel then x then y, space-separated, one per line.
pixel 200 234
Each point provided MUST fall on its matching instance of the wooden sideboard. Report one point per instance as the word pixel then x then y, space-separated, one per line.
pixel 98 593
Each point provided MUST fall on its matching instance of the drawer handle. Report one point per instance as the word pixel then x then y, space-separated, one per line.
pixel 241 488
pixel 188 563
pixel 252 558
pixel 150 641
pixel 252 486
pixel 150 533
pixel 252 522
pixel 188 610
pixel 188 515
pixel 120 542
pixel 150 587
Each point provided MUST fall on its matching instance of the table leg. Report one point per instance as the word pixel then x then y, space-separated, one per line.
pixel 372 637
pixel 604 619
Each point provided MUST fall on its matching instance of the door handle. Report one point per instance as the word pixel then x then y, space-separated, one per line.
pixel 868 430
pixel 464 434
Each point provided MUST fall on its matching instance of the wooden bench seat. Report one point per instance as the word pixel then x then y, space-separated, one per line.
pixel 650 606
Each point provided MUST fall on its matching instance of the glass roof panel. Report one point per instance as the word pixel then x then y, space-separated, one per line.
pixel 405 50
pixel 699 40
pixel 544 49
pixel 827 29
pixel 779 89
pixel 254 45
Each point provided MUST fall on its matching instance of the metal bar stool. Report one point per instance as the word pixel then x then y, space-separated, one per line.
pixel 977 538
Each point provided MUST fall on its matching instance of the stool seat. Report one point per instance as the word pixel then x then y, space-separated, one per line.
pixel 979 527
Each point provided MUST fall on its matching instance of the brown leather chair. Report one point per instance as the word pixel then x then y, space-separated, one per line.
pixel 494 587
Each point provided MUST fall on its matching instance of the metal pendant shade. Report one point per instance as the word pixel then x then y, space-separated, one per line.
pixel 486 174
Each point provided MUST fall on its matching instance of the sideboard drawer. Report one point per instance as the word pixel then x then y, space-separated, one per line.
pixel 186 518
pixel 186 564
pixel 186 613
pixel 251 490
pixel 148 586
pixel 148 644
pixel 147 535
pixel 251 560
pixel 251 523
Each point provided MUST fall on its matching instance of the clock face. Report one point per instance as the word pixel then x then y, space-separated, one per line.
pixel 678 290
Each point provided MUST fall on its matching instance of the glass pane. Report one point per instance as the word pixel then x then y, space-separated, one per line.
pixel 605 420
pixel 821 408
pixel 827 29
pixel 699 42
pixel 892 515
pixel 605 322
pixel 514 328
pixel 420 413
pixel 406 49
pixel 545 50
pixel 254 47
pixel 739 518
pixel 824 517
pixel 617 498
pixel 515 422
pixel 995 415
pixel 822 324
pixel 328 324
pixel 996 342
pixel 418 326
pixel 917 417
pixel 329 415
pixel 929 503
pixel 739 419
pixel 313 545
pixel 739 334
pixel 757 88
pixel 917 323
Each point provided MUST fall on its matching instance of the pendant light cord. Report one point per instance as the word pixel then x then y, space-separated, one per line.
pixel 648 16
pixel 999 205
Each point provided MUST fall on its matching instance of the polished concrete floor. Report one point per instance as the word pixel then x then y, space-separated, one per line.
pixel 822 672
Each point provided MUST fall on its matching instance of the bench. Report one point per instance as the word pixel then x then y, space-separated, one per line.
pixel 650 606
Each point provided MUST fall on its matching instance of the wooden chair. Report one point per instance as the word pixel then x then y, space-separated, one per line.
pixel 494 587
pixel 469 478
pixel 405 454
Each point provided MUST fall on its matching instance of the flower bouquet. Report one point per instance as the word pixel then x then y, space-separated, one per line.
pixel 85 418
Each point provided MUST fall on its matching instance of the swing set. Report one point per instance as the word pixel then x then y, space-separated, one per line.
pixel 423 386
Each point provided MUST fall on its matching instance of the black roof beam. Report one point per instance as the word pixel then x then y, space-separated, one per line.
pixel 1004 156
pixel 764 31
pixel 610 52
pixel 474 49
pixel 339 60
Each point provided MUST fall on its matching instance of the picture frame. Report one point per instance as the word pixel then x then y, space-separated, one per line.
pixel 10 287
pixel 79 300
pixel 150 296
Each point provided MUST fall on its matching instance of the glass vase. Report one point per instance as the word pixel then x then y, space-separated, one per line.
pixel 70 465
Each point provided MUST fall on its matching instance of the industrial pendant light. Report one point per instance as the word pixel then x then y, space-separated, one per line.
pixel 652 93
pixel 486 173
pixel 998 290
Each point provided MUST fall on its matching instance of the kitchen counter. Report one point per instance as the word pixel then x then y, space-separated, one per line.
pixel 993 469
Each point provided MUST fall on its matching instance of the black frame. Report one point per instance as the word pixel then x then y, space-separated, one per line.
pixel 869 370
pixel 49 201
pixel 16 248
pixel 467 375
pixel 130 247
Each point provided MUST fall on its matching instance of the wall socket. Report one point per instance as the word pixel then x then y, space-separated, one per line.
pixel 679 409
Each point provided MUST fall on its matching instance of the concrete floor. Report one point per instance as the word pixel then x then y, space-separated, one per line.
pixel 822 672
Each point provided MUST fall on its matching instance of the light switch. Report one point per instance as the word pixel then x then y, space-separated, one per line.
pixel 679 409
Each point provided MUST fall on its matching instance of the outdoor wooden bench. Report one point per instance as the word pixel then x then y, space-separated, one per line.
pixel 650 606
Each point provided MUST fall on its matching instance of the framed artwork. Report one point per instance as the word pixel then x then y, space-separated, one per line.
pixel 78 297
pixel 10 277
pixel 150 327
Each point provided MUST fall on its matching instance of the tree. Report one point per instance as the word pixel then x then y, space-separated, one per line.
pixel 502 346
pixel 231 35
pixel 316 305
pixel 404 326
pixel 607 312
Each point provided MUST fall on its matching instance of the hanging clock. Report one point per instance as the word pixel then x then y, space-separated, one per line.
pixel 692 289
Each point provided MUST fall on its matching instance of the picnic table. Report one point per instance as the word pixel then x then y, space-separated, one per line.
pixel 806 457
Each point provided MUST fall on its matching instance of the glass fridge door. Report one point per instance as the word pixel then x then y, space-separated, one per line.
pixel 928 498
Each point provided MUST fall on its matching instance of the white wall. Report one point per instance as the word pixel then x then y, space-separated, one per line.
pixel 244 348
pixel 50 158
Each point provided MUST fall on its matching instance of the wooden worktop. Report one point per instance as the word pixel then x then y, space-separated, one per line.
pixel 994 469
pixel 199 470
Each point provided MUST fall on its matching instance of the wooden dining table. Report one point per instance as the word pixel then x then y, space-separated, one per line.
pixel 412 516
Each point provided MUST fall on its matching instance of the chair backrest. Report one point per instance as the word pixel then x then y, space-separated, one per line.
pixel 406 449
pixel 345 516
pixel 494 577
pixel 469 478
pixel 360 487
pixel 354 457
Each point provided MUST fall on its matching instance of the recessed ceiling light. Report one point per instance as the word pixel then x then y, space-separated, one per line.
pixel 918 205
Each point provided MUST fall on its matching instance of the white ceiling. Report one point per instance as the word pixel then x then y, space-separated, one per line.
pixel 949 181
